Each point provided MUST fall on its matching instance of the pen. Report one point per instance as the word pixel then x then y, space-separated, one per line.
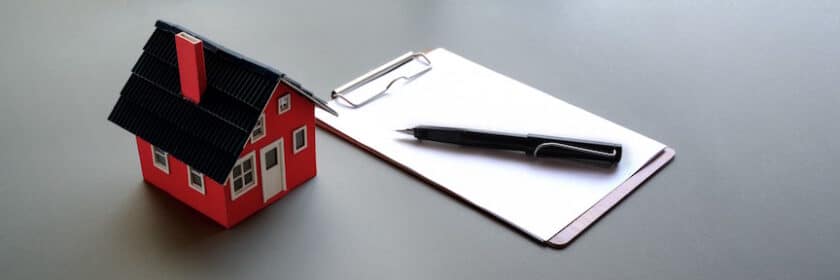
pixel 594 152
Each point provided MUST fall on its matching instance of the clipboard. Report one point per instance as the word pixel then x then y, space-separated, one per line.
pixel 400 83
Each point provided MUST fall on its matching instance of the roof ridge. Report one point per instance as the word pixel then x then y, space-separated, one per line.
pixel 248 63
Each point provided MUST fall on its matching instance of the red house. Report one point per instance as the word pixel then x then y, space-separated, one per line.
pixel 216 130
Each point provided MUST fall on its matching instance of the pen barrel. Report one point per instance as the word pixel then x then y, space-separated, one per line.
pixel 592 152
pixel 473 138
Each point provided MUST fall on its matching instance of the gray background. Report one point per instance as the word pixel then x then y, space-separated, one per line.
pixel 745 91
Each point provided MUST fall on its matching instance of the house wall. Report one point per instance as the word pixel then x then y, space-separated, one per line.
pixel 176 183
pixel 300 167
pixel 217 202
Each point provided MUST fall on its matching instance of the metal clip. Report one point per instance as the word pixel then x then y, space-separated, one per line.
pixel 340 92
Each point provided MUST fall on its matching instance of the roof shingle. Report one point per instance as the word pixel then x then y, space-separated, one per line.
pixel 208 136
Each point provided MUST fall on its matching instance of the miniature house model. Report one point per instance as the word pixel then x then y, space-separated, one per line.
pixel 219 132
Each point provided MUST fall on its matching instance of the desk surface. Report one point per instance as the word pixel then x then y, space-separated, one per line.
pixel 747 92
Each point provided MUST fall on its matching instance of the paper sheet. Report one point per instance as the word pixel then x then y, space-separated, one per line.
pixel 540 197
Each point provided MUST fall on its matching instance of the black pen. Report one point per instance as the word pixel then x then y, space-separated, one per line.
pixel 598 153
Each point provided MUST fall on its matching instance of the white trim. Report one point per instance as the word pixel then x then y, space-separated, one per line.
pixel 246 188
pixel 260 124
pixel 197 188
pixel 163 167
pixel 263 111
pixel 305 139
pixel 189 37
pixel 288 97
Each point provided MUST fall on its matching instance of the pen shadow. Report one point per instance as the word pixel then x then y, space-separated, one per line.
pixel 558 164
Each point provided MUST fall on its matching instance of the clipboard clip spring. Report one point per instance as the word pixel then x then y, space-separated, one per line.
pixel 341 92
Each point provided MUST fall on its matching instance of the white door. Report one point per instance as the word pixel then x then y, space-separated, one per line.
pixel 273 169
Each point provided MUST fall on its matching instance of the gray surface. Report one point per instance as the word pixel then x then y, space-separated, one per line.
pixel 746 91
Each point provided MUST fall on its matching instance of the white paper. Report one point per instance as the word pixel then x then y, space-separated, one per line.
pixel 540 197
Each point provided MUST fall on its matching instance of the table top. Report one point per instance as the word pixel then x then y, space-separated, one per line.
pixel 745 91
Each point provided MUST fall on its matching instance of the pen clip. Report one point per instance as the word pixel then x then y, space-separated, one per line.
pixel 576 149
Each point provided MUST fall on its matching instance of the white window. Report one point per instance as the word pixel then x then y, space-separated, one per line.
pixel 259 129
pixel 284 103
pixel 299 139
pixel 243 177
pixel 196 180
pixel 160 159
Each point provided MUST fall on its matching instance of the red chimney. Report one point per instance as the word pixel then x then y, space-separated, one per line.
pixel 191 66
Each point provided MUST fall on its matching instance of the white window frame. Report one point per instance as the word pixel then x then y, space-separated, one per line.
pixel 260 125
pixel 200 186
pixel 295 141
pixel 288 98
pixel 246 187
pixel 162 166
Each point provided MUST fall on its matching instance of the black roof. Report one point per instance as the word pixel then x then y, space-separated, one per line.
pixel 210 135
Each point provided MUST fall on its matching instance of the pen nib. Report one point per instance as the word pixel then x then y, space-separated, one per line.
pixel 408 131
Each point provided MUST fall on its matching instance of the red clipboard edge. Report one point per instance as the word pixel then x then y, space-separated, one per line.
pixel 579 225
